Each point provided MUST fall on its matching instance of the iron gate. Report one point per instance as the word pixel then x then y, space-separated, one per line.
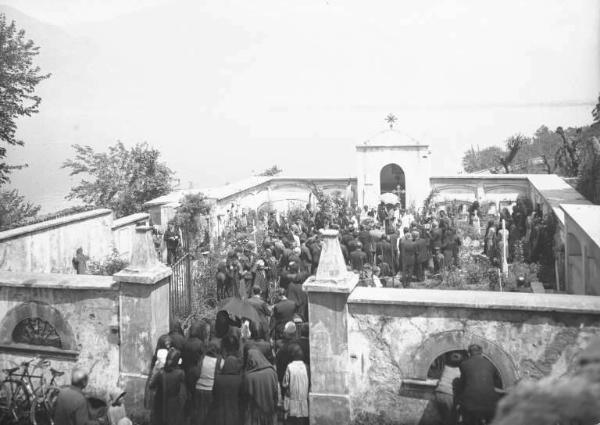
pixel 180 287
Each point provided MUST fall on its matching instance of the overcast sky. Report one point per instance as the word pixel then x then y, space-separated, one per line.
pixel 227 87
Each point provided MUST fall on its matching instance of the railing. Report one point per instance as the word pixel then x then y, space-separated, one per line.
pixel 180 287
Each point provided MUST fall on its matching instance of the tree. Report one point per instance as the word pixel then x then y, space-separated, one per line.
pixel 14 208
pixel 273 171
pixel 566 156
pixel 588 182
pixel 18 79
pixel 477 160
pixel 596 112
pixel 513 144
pixel 191 209
pixel 543 146
pixel 121 179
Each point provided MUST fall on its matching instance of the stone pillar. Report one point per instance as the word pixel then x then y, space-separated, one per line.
pixel 143 315
pixel 328 293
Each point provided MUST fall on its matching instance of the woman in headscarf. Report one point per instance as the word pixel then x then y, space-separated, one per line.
pixel 162 344
pixel 295 385
pixel 259 389
pixel 209 366
pixel 259 342
pixel 193 349
pixel 170 397
pixel 226 408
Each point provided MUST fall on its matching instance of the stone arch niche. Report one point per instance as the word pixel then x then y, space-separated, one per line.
pixel 458 340
pixel 35 325
pixel 393 180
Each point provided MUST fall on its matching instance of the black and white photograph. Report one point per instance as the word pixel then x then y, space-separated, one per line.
pixel 299 212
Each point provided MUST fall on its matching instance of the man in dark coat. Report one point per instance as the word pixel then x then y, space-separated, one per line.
pixel 407 253
pixel 305 255
pixel 364 238
pixel 298 296
pixel 283 312
pixel 315 253
pixel 261 307
pixel 358 258
pixel 172 240
pixel 384 248
pixel 394 241
pixel 422 253
pixel 71 405
pixel 476 392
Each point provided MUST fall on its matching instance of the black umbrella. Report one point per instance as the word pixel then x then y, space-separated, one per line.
pixel 240 309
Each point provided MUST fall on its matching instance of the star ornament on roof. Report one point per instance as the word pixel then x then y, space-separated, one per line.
pixel 391 120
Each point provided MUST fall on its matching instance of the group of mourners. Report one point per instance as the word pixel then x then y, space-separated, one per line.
pixel 228 370
pixel 386 246
pixel 528 234
pixel 225 372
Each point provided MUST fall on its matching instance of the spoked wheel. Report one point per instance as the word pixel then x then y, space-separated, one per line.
pixel 42 409
pixel 14 402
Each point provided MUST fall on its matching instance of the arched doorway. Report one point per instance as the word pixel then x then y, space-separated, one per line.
pixel 392 180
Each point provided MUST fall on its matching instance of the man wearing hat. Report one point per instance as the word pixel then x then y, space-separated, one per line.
pixel 476 389
pixel 261 307
pixel 283 312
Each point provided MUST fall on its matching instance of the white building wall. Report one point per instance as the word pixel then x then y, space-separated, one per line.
pixel 414 161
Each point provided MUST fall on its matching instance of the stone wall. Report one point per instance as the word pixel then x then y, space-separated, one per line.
pixel 107 325
pixel 84 311
pixel 123 230
pixel 394 336
pixel 49 246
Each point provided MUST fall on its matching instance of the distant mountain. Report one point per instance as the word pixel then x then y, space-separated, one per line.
pixel 67 58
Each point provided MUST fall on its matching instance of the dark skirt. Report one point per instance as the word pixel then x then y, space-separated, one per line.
pixel 200 407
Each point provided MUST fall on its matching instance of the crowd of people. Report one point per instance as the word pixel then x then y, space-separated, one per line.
pixel 385 246
pixel 230 373
pixel 230 370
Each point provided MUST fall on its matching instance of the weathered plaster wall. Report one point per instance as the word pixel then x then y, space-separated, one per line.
pixel 123 230
pixel 49 247
pixel 90 311
pixel 582 251
pixel 390 341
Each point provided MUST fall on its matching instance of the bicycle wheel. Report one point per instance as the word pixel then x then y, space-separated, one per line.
pixel 42 409
pixel 15 404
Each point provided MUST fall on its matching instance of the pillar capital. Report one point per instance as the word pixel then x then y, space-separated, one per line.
pixel 332 274
pixel 144 267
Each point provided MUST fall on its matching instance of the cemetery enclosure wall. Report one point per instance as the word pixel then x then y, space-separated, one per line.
pixel 394 336
pixel 77 317
pixel 49 246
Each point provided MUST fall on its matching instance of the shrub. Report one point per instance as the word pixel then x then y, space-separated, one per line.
pixel 109 265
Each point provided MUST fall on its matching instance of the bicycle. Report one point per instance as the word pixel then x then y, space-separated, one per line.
pixel 21 400
pixel 42 408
